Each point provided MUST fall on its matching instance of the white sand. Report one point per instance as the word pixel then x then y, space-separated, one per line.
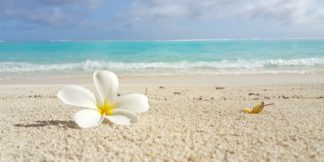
pixel 184 123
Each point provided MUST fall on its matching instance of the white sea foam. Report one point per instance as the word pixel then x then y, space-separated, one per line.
pixel 223 67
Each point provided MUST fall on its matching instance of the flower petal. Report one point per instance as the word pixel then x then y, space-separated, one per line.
pixel 119 120
pixel 88 118
pixel 77 96
pixel 106 83
pixel 128 114
pixel 137 103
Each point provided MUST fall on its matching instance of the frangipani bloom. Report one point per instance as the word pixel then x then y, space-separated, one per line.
pixel 121 110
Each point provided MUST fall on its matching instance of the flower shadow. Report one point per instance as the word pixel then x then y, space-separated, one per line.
pixel 44 123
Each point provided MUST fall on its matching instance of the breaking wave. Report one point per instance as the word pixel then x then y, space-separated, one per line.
pixel 276 65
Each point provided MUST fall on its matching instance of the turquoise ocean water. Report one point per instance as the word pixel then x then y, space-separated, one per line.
pixel 162 57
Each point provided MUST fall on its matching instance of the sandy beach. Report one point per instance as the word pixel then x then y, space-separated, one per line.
pixel 206 81
pixel 196 118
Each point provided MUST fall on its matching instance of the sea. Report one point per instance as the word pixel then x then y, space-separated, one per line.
pixel 161 57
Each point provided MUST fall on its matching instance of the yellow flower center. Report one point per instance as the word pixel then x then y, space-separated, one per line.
pixel 106 108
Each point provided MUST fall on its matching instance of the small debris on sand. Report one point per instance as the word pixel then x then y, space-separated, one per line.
pixel 218 88
pixel 284 97
pixel 254 94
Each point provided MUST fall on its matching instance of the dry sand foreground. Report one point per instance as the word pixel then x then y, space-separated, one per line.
pixel 184 123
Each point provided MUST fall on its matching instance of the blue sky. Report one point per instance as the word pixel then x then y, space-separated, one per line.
pixel 159 19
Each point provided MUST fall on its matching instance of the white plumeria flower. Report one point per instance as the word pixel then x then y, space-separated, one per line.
pixel 121 110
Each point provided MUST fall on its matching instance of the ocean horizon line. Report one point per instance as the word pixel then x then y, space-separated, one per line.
pixel 162 40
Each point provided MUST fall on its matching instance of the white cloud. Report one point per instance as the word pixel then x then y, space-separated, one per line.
pixel 46 12
pixel 292 12
pixel 289 11
pixel 183 9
